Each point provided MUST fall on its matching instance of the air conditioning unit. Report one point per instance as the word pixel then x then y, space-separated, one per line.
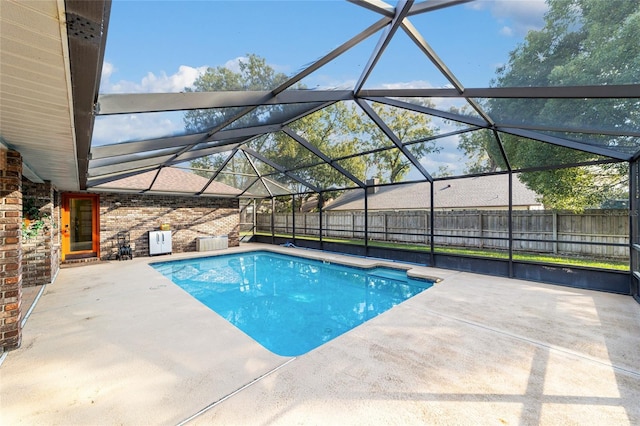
pixel 218 242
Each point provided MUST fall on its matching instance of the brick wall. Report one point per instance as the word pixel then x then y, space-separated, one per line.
pixel 41 252
pixel 10 249
pixel 188 217
pixel 56 249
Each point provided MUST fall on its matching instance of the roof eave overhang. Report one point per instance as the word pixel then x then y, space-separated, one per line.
pixel 86 54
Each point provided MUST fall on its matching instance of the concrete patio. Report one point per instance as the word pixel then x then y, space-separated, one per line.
pixel 117 343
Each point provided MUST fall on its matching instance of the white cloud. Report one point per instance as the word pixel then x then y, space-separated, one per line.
pixel 234 64
pixel 152 83
pixel 107 70
pixel 506 31
pixel 416 84
pixel 161 82
pixel 519 16
pixel 326 82
pixel 114 129
pixel 121 128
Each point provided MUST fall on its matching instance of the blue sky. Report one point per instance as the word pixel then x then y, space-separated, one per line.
pixel 163 46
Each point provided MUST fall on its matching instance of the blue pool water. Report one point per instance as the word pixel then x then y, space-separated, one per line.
pixel 290 304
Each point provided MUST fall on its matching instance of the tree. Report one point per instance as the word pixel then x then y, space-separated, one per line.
pixel 583 42
pixel 254 74
pixel 482 151
pixel 391 165
pixel 328 130
pixel 319 128
pixel 339 131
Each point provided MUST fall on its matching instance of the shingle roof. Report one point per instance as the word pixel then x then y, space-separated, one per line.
pixel 170 180
pixel 468 193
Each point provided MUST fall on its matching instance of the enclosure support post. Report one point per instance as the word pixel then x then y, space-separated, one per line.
pixel 320 207
pixel 510 224
pixel 481 231
pixel 254 228
pixel 273 220
pixel 431 222
pixel 554 231
pixel 385 226
pixel 634 242
pixel 293 218
pixel 286 223
pixel 366 222
pixel 353 225
pixel 425 232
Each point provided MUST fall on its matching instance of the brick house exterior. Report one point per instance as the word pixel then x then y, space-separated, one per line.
pixel 10 249
pixel 188 218
pixel 35 260
pixel 41 252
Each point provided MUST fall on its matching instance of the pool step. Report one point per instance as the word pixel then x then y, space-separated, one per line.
pixel 69 263
pixel 389 274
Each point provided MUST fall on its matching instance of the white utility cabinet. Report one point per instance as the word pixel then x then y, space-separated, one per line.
pixel 159 242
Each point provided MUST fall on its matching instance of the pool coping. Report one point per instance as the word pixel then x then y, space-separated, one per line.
pixel 361 262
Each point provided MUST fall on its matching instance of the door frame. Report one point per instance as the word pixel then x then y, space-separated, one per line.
pixel 65 219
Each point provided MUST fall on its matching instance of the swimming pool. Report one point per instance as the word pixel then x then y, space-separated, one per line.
pixel 288 304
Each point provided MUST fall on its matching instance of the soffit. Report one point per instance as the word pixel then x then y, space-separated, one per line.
pixel 36 106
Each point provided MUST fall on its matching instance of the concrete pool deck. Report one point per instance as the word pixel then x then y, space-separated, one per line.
pixel 117 343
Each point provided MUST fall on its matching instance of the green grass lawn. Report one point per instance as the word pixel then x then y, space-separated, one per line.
pixel 618 265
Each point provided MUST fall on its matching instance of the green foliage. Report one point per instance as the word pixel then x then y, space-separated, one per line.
pixel 329 131
pixel 583 42
pixel 391 165
pixel 254 74
pixel 482 151
pixel 35 222
pixel 464 251
pixel 204 166
pixel 340 131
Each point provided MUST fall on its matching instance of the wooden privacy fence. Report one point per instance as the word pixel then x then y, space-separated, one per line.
pixel 539 231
